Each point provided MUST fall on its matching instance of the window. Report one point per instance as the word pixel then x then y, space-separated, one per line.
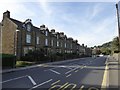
pixel 38 42
pixel 28 27
pixel 51 42
pixel 65 45
pixel 46 42
pixel 28 38
pixel 57 36
pixel 46 33
pixel 57 43
pixel 61 44
pixel 25 51
pixel 71 46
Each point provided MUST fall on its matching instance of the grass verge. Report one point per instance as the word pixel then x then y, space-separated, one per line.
pixel 23 63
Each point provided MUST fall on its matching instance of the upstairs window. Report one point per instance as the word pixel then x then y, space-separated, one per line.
pixel 46 42
pixel 28 27
pixel 28 38
pixel 57 43
pixel 65 45
pixel 57 36
pixel 38 40
pixel 46 33
pixel 52 42
pixel 71 46
pixel 61 44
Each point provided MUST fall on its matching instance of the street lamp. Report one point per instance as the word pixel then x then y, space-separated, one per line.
pixel 118 21
pixel 15 45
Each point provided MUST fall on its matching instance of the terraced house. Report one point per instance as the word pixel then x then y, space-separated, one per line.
pixel 20 37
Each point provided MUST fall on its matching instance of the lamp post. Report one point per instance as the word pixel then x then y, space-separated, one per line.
pixel 15 46
pixel 118 21
pixel 118 12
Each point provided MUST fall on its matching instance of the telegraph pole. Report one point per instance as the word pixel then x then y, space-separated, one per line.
pixel 117 8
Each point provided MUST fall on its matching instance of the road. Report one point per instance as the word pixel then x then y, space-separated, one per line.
pixel 74 74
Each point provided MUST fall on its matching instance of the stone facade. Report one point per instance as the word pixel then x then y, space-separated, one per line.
pixel 20 37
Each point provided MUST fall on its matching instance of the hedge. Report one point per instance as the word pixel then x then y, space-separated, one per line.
pixel 8 60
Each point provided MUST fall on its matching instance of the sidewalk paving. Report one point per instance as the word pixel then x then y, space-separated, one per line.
pixel 114 73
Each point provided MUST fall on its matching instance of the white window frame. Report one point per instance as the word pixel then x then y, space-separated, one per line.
pixel 28 38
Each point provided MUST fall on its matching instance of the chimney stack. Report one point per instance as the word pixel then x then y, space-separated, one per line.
pixel 53 31
pixel 61 34
pixel 82 45
pixel 6 14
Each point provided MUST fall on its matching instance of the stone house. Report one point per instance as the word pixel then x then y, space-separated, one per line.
pixel 19 37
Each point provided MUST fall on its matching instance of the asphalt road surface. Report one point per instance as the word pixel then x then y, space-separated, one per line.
pixel 80 74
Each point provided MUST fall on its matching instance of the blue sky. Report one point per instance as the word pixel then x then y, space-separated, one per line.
pixel 91 23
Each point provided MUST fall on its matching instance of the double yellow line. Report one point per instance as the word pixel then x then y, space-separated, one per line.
pixel 105 82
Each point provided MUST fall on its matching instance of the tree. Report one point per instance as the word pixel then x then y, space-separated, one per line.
pixel 115 44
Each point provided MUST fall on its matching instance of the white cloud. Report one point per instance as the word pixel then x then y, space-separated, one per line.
pixel 45 7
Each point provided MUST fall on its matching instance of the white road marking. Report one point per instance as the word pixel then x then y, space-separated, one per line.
pixel 40 84
pixel 81 87
pixel 68 75
pixel 76 71
pixel 54 71
pixel 14 79
pixel 81 67
pixel 71 70
pixel 31 79
pixel 94 88
pixel 55 82
pixel 67 67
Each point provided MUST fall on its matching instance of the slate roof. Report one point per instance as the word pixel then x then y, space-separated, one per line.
pixel 18 23
pixel 21 27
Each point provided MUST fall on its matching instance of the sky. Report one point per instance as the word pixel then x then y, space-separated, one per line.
pixel 91 23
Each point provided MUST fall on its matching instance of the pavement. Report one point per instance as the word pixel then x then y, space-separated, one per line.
pixel 114 73
pixel 82 73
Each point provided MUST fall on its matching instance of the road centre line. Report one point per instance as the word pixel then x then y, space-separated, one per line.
pixel 55 82
pixel 68 75
pixel 31 79
pixel 41 84
pixel 14 79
